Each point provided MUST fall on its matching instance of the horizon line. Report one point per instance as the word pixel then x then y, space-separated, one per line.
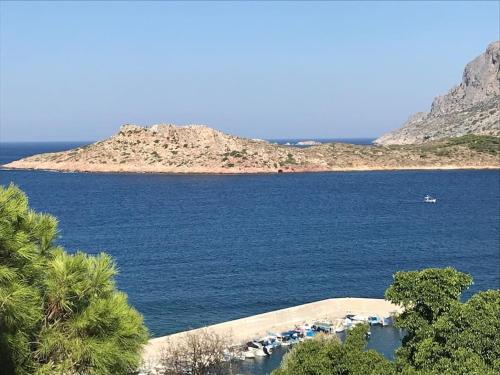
pixel 266 139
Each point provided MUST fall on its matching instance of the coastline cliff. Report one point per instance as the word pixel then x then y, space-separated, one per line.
pixel 472 107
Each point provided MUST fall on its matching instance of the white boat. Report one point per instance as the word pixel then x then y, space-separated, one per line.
pixel 272 340
pixel 429 199
pixel 374 319
pixel 387 320
pixel 257 349
pixel 359 318
pixel 347 323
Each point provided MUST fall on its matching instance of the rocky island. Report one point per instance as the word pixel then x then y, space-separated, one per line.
pixel 200 149
pixel 461 131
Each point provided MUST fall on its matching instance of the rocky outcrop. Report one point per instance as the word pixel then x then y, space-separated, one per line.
pixel 472 107
pixel 199 149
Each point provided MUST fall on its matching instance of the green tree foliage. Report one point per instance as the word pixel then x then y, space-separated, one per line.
pixel 443 335
pixel 326 355
pixel 59 313
pixel 425 296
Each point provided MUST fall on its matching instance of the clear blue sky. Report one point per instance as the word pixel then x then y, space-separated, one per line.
pixel 78 70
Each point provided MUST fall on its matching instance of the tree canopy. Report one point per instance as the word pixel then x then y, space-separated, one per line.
pixel 326 355
pixel 60 313
pixel 442 334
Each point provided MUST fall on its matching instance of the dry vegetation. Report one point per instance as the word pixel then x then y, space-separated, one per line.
pixel 199 149
pixel 200 353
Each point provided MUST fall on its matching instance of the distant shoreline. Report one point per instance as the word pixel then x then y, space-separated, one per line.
pixel 197 149
pixel 241 173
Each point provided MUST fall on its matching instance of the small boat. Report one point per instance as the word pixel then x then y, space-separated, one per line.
pixel 359 318
pixel 258 349
pixel 387 320
pixel 286 338
pixel 268 350
pixel 289 338
pixel 429 199
pixel 309 334
pixel 372 320
pixel 323 326
pixel 347 323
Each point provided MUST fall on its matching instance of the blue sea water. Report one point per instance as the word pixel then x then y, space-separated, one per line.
pixel 200 249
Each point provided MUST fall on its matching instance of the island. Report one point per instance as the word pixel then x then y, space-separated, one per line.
pixel 199 149
pixel 462 131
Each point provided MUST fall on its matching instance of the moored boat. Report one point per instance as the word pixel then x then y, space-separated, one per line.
pixel 374 319
pixel 258 349
pixel 387 320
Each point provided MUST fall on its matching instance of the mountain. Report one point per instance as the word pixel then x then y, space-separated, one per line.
pixel 472 107
pixel 200 149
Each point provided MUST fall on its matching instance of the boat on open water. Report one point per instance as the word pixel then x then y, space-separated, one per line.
pixel 429 199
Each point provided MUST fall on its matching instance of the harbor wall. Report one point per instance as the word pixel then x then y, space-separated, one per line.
pixel 256 326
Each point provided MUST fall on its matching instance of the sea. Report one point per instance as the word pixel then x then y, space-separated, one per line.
pixel 194 250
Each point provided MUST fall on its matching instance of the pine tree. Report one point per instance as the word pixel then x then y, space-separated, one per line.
pixel 60 313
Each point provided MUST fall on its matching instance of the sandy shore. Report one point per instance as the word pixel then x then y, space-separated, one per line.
pixel 245 329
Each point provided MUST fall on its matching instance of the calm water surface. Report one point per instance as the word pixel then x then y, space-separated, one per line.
pixel 195 250
pixel 383 339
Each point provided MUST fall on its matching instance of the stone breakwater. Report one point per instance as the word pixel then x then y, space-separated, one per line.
pixel 246 329
pixel 199 149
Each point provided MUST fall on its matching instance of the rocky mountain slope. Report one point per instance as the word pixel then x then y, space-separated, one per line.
pixel 199 149
pixel 472 107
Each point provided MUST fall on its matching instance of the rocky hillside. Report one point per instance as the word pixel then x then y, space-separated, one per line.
pixel 199 149
pixel 472 107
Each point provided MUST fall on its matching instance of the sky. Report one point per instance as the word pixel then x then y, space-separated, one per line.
pixel 76 71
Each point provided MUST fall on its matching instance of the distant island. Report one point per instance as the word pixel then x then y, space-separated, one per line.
pixel 460 132
pixel 199 149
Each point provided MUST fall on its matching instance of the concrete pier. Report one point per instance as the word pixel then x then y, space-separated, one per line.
pixel 256 326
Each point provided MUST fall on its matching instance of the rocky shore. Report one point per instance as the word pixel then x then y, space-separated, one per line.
pixel 472 107
pixel 200 149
